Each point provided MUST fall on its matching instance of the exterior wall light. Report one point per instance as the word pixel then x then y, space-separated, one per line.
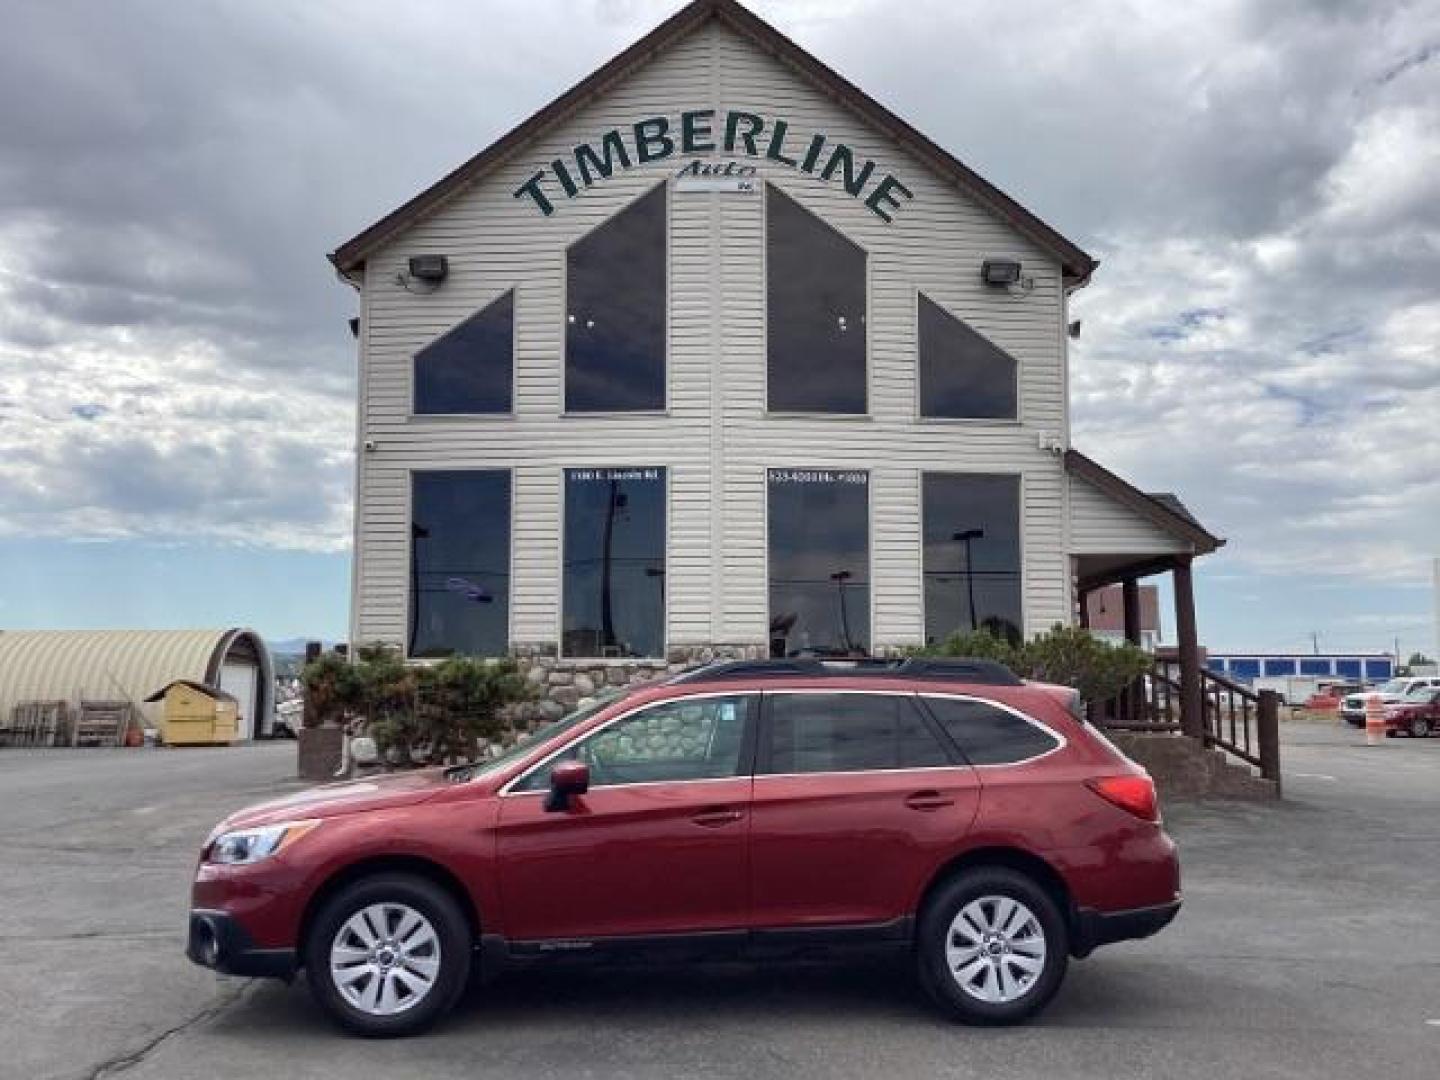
pixel 431 269
pixel 1000 272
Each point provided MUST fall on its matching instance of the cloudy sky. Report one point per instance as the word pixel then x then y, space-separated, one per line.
pixel 1261 180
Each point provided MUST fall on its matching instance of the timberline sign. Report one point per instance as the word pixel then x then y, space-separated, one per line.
pixel 705 131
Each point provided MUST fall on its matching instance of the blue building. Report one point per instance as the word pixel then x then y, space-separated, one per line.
pixel 1351 667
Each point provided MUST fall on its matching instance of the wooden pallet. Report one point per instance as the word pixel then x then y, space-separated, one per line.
pixel 102 723
pixel 37 723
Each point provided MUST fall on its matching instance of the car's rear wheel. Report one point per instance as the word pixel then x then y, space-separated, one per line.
pixel 388 955
pixel 992 946
pixel 1420 727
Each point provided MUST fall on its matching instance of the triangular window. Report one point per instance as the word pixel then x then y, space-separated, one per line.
pixel 815 286
pixel 615 312
pixel 470 368
pixel 963 374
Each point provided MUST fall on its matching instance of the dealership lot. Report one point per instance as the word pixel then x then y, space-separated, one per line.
pixel 1308 947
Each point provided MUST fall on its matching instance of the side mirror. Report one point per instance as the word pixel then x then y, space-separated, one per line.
pixel 566 779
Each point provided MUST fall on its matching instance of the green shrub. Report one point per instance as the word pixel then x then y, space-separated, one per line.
pixel 438 712
pixel 1073 656
pixel 1068 655
pixel 978 645
pixel 333 688
pixel 460 703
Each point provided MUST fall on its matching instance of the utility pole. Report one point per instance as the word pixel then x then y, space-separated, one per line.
pixel 840 577
pixel 614 502
pixel 967 537
pixel 1315 641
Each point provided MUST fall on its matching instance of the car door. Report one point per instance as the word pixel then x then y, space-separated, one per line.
pixel 658 845
pixel 857 801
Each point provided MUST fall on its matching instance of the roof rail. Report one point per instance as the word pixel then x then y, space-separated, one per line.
pixel 957 669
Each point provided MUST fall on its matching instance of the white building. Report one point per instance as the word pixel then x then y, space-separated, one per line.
pixel 711 363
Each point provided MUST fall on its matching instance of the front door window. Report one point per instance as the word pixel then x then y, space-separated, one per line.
pixel 699 739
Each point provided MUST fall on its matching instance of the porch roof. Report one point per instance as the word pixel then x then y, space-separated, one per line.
pixel 1119 531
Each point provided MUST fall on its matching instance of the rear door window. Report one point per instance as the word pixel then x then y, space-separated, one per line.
pixel 821 733
pixel 989 735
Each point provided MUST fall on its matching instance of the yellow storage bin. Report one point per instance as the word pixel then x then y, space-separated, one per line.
pixel 197 714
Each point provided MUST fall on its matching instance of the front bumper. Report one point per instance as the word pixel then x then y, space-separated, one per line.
pixel 1096 928
pixel 218 941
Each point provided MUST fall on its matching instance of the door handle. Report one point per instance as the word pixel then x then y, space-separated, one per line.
pixel 928 800
pixel 715 816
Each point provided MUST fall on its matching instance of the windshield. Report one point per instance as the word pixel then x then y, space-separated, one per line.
pixel 527 741
pixel 1421 693
pixel 1394 686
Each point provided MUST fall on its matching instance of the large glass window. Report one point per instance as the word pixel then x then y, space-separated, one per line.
pixel 672 742
pixel 972 555
pixel 819 562
pixel 459 563
pixel 615 312
pixel 987 734
pixel 812 733
pixel 815 288
pixel 470 368
pixel 614 602
pixel 962 373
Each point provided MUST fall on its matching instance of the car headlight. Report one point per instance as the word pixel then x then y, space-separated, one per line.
pixel 241 847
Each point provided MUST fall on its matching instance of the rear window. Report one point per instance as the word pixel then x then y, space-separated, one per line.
pixel 988 735
pixel 811 733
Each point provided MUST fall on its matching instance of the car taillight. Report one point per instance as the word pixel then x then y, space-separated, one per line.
pixel 1133 794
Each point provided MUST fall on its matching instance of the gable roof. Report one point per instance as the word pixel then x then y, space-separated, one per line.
pixel 1076 265
pixel 212 692
pixel 1162 508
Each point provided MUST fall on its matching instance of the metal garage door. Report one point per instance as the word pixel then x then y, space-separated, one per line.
pixel 239 680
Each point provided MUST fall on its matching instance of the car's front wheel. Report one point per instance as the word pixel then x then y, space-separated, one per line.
pixel 1420 727
pixel 992 946
pixel 388 955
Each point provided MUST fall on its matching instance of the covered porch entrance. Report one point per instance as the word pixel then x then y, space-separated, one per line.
pixel 1121 535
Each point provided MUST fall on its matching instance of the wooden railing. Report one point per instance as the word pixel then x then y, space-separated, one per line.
pixel 1234 718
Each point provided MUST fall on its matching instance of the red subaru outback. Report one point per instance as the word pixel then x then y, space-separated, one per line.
pixel 942 807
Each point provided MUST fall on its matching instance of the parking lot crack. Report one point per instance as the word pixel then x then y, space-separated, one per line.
pixel 88 935
pixel 123 1062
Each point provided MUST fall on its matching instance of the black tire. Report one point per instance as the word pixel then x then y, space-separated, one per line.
pixel 934 931
pixel 1420 727
pixel 452 930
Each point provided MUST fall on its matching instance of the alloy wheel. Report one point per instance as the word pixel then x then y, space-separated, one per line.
pixel 385 959
pixel 995 949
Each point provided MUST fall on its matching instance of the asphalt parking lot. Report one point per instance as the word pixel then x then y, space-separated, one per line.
pixel 1309 946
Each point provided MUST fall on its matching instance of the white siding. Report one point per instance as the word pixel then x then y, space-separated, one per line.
pixel 1101 526
pixel 715 438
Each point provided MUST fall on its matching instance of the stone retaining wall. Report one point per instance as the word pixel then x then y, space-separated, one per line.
pixel 564 685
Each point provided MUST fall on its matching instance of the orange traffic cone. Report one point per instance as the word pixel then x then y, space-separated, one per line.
pixel 1374 720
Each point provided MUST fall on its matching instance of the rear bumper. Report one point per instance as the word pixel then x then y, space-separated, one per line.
pixel 218 941
pixel 1096 928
